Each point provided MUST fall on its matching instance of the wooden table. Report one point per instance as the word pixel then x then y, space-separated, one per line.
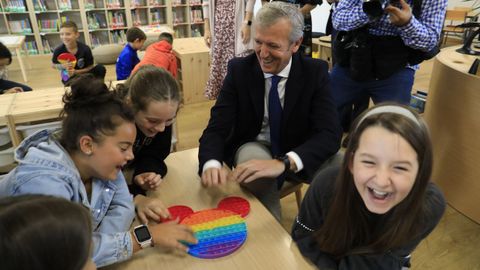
pixel 193 67
pixel 5 104
pixel 452 111
pixel 34 106
pixel 16 43
pixel 323 46
pixel 268 245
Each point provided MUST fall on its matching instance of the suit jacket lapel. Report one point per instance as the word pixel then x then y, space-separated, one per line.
pixel 256 87
pixel 293 88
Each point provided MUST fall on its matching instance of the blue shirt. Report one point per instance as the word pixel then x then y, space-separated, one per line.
pixel 420 33
pixel 46 168
pixel 126 61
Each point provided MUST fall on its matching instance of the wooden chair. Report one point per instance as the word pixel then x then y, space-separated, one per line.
pixel 453 17
pixel 290 187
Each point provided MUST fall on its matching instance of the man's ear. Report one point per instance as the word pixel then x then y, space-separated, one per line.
pixel 296 45
pixel 86 145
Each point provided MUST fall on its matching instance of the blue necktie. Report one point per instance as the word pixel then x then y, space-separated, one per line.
pixel 274 116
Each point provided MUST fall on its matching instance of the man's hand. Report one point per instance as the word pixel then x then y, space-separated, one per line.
pixel 254 169
pixel 148 180
pixel 207 37
pixel 214 177
pixel 399 16
pixel 13 90
pixel 246 32
pixel 171 235
pixel 150 208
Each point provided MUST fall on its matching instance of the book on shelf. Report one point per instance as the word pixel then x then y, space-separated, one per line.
pixel 46 46
pixel 137 21
pixel 89 4
pixel 157 17
pixel 196 16
pixel 113 3
pixel 15 6
pixel 155 3
pixel 31 47
pixel 195 2
pixel 20 26
pixel 180 32
pixel 39 5
pixel 95 40
pixel 48 25
pixel 178 16
pixel 136 3
pixel 64 4
pixel 116 19
pixel 119 37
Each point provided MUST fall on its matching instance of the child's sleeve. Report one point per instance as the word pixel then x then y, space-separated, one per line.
pixel 55 55
pixel 173 66
pixel 88 57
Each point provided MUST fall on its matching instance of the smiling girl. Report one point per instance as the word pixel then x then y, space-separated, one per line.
pixel 381 205
pixel 154 96
pixel 82 162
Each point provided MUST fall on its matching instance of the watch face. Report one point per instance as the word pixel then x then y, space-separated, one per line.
pixel 142 234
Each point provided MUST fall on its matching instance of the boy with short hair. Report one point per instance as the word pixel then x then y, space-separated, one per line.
pixel 160 54
pixel 128 58
pixel 84 63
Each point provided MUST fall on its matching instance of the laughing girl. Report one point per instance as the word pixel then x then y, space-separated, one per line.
pixel 381 205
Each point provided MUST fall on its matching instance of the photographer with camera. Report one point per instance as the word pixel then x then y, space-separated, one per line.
pixel 379 46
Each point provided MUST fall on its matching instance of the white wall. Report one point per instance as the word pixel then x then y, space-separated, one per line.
pixel 460 3
pixel 319 15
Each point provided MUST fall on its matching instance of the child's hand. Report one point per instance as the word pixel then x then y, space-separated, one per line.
pixel 171 235
pixel 148 180
pixel 67 65
pixel 12 90
pixel 150 208
pixel 71 72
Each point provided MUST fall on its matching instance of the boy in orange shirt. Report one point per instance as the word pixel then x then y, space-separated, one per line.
pixel 160 54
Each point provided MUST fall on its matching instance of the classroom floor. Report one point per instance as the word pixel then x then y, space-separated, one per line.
pixel 454 244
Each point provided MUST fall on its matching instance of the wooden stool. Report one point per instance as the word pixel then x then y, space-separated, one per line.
pixel 290 187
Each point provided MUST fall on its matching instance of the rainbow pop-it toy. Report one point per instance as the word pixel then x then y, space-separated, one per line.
pixel 219 231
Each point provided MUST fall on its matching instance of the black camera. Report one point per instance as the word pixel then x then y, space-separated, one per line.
pixel 374 8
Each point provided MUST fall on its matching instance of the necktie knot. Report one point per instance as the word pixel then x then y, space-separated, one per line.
pixel 275 80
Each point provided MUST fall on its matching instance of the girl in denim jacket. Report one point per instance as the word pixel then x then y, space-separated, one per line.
pixel 83 162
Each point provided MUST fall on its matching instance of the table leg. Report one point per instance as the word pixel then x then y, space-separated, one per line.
pixel 22 67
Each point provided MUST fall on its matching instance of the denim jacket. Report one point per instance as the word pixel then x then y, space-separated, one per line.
pixel 45 167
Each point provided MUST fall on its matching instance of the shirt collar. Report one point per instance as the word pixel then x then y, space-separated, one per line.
pixel 284 73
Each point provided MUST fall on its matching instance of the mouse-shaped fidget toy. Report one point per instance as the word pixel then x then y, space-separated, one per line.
pixel 220 231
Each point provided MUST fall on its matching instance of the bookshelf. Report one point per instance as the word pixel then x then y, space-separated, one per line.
pixel 99 21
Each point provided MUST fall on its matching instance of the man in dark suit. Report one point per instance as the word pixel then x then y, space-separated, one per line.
pixel 274 103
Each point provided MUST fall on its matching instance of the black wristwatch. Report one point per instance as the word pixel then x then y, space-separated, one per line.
pixel 286 162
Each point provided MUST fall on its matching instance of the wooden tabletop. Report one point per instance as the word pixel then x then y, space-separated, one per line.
pixel 12 42
pixel 183 46
pixel 5 103
pixel 268 245
pixel 37 105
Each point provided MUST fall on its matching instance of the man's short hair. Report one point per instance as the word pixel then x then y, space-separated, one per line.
pixel 272 12
pixel 135 33
pixel 166 36
pixel 69 24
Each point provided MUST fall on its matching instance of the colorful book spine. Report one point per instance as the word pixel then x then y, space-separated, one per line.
pixel 15 6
